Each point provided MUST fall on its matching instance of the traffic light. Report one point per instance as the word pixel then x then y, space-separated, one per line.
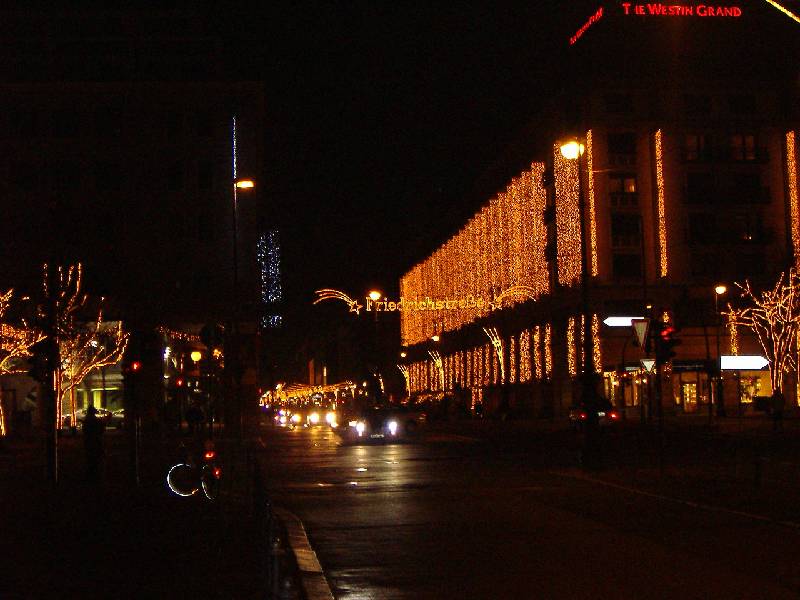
pixel 132 368
pixel 42 360
pixel 665 338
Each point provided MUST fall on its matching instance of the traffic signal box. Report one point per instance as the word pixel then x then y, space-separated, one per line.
pixel 665 339
pixel 44 356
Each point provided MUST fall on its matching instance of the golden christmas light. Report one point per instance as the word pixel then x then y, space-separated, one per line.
pixel 662 210
pixel 794 201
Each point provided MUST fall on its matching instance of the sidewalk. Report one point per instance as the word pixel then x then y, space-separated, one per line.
pixel 117 540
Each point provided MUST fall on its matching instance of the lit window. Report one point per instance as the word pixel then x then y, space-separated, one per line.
pixel 743 147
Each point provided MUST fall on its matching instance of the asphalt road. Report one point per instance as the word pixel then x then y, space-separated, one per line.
pixel 451 516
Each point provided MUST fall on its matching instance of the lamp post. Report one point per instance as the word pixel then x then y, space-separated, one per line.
pixel 719 290
pixel 233 359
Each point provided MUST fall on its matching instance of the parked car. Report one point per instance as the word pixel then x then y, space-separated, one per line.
pixel 117 419
pixel 606 415
pixel 80 415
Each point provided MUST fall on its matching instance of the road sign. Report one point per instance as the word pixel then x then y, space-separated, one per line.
pixel 619 321
pixel 640 327
pixel 742 363
pixel 648 364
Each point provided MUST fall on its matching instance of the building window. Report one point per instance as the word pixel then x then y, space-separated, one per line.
pixel 696 147
pixel 697 104
pixel 626 230
pixel 622 190
pixel 626 266
pixel 618 104
pixel 622 143
pixel 700 188
pixel 743 147
pixel 742 104
pixel 621 149
pixel 703 228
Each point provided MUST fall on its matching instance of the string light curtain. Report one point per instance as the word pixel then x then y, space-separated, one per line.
pixel 794 207
pixel 503 245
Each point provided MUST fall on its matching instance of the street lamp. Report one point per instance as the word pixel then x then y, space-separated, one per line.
pixel 238 184
pixel 435 337
pixel 719 290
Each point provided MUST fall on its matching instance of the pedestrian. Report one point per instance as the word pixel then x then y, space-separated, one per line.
pixel 778 404
pixel 93 429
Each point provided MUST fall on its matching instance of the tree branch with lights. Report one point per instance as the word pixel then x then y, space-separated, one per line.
pixel 83 345
pixel 15 340
pixel 774 316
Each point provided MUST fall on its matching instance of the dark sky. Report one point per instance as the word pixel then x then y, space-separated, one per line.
pixel 383 122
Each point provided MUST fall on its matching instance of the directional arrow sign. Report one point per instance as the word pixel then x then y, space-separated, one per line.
pixel 648 364
pixel 619 321
pixel 640 327
pixel 742 363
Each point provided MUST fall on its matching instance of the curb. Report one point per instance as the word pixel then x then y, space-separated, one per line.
pixel 315 584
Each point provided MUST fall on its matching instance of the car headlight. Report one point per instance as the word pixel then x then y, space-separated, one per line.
pixel 295 418
pixel 392 427
pixel 330 419
pixel 313 418
pixel 360 427
pixel 283 419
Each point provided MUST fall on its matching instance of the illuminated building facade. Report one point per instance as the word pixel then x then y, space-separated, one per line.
pixel 688 178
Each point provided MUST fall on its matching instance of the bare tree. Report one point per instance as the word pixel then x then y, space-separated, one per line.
pixel 15 339
pixel 15 345
pixel 774 317
pixel 84 345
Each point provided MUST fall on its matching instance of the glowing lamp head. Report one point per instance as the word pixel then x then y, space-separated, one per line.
pixel 720 289
pixel 403 354
pixel 244 184
pixel 571 150
pixel 196 356
pixel 435 337
pixel 375 295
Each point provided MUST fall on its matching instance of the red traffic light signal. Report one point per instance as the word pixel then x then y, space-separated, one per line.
pixel 136 366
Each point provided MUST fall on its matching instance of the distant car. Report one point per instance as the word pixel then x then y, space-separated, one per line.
pixel 606 415
pixel 382 424
pixel 80 416
pixel 117 419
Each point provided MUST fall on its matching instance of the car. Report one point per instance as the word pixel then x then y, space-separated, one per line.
pixel 117 419
pixel 80 415
pixel 382 424
pixel 607 415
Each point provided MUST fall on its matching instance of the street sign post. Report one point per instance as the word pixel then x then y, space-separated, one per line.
pixel 640 327
pixel 742 363
pixel 648 364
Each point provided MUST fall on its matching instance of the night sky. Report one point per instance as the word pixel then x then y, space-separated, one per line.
pixel 385 125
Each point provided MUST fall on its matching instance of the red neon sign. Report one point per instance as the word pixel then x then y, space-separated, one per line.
pixel 592 20
pixel 657 9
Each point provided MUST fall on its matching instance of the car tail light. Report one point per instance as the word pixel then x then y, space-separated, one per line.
pixel 582 416
pixel 210 455
pixel 613 415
